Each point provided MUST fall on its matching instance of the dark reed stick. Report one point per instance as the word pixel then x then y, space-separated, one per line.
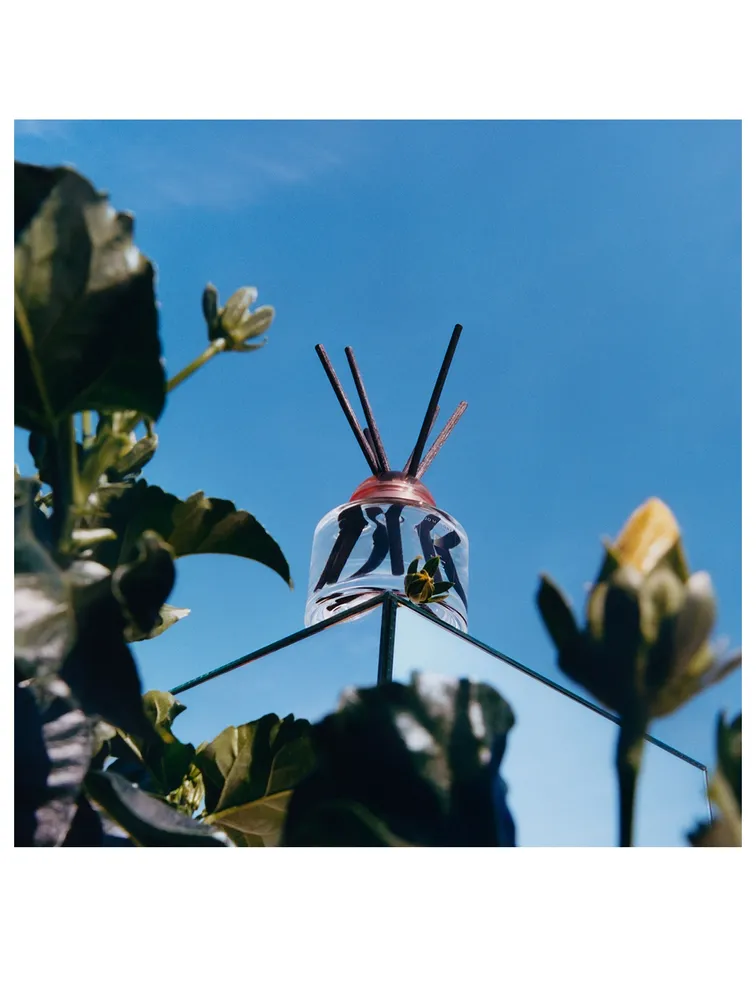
pixel 346 407
pixel 380 451
pixel 433 423
pixel 441 440
pixel 369 441
pixel 435 396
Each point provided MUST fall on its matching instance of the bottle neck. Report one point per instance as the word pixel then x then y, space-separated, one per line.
pixel 393 486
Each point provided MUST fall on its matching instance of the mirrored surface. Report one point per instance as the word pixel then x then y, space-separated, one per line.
pixel 305 678
pixel 559 763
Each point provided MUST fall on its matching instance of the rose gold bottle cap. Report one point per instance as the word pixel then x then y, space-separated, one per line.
pixel 393 486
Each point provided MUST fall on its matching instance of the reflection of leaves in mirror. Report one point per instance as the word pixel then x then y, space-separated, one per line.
pixel 408 765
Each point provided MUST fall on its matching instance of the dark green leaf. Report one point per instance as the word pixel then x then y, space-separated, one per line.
pixel 100 669
pixel 167 616
pixel 210 310
pixel 142 586
pixel 44 453
pixel 132 463
pixel 416 765
pixel 86 320
pixel 431 565
pixel 149 821
pixel 412 568
pixel 86 828
pixel 53 749
pixel 557 614
pixel 730 753
pixel 44 623
pixel 623 643
pixel 198 525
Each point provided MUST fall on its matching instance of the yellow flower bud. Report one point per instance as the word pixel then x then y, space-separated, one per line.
pixel 649 534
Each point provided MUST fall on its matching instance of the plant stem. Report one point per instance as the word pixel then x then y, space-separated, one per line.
pixel 67 490
pixel 630 746
pixel 214 348
pixel 28 337
pixel 87 427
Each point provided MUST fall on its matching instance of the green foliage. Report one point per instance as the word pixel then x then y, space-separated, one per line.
pixel 149 821
pixel 413 765
pixel 239 783
pixel 194 526
pixel 86 325
pixel 94 554
pixel 725 790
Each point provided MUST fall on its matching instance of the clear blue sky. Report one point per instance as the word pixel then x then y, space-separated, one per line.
pixel 595 267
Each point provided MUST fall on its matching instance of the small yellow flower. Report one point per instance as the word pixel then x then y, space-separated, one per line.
pixel 420 586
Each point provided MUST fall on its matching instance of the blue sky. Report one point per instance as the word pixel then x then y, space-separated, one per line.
pixel 595 267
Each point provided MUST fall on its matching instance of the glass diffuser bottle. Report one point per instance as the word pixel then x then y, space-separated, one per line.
pixel 368 545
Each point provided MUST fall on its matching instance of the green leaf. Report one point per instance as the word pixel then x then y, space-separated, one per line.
pixel 165 756
pixel 132 463
pixel 53 749
pixel 623 644
pixel 162 708
pixel 246 763
pixel 210 310
pixel 86 328
pixel 44 623
pixel 415 765
pixel 730 753
pixel 412 568
pixel 99 668
pixel 149 821
pixel 191 527
pixel 167 616
pixel 141 586
pixel 431 566
pixel 45 456
pixel 255 824
pixel 557 614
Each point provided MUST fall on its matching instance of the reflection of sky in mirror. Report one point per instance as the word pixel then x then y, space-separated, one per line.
pixel 559 759
pixel 304 678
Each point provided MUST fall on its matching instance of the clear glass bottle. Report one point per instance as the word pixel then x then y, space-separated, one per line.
pixel 364 547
